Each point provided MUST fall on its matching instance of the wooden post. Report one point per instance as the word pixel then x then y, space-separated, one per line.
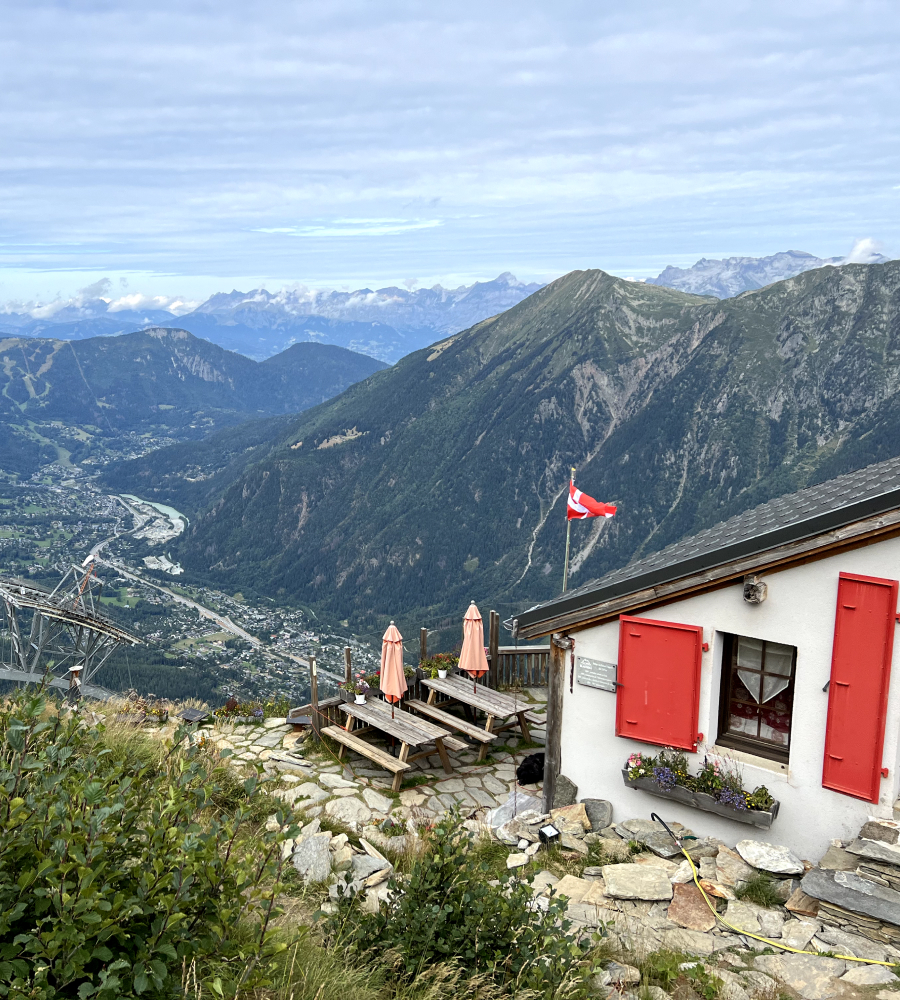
pixel 494 648
pixel 348 665
pixel 556 685
pixel 423 656
pixel 314 697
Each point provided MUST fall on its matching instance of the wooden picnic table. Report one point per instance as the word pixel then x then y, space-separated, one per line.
pixel 494 704
pixel 408 729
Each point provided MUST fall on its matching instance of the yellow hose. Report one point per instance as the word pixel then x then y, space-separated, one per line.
pixel 756 937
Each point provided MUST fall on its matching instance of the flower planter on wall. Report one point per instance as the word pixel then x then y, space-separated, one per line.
pixel 700 800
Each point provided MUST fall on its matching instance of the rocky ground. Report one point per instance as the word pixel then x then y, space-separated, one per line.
pixel 625 878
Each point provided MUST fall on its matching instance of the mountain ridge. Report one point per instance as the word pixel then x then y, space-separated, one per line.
pixel 157 385
pixel 733 275
pixel 385 324
pixel 441 479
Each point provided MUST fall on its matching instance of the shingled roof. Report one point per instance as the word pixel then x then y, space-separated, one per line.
pixel 790 518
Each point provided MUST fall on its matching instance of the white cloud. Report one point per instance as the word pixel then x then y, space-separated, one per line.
pixel 182 138
pixel 866 251
pixel 137 302
pixel 355 227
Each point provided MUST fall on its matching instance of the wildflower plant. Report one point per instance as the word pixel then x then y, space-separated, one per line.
pixel 721 779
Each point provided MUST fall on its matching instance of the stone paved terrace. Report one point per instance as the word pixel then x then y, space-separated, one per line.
pixel 640 894
pixel 356 791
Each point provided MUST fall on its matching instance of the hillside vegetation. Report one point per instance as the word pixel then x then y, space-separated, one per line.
pixel 75 401
pixel 442 479
pixel 133 867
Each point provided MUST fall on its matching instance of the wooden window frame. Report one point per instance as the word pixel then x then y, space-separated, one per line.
pixel 755 745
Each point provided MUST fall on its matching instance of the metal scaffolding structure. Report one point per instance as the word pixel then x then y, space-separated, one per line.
pixel 60 635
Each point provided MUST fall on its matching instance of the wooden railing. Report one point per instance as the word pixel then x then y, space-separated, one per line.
pixel 509 666
pixel 522 666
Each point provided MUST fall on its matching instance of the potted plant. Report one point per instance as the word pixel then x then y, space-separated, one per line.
pixel 358 687
pixel 440 664
pixel 716 788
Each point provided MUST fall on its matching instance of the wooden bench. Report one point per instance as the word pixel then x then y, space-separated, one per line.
pixel 448 719
pixel 450 742
pixel 379 757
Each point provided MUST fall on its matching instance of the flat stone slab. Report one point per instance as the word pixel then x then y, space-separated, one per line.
pixel 312 857
pixel 495 786
pixel 731 869
pixel 848 890
pixel 637 828
pixel 742 916
pixel 351 811
pixel 574 815
pixel 336 781
pixel 801 904
pixel 569 842
pixel 844 943
pixel 869 975
pixel 814 978
pixel 881 829
pixel 633 881
pixel 689 909
pixel 573 887
pixel 693 942
pixel 839 860
pixel 364 865
pixel 450 785
pixel 377 801
pixel 662 845
pixel 874 850
pixel 770 857
pixel 517 860
pixel 798 933
pixel 308 790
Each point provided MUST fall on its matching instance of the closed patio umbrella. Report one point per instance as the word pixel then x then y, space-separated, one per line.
pixel 472 658
pixel 392 680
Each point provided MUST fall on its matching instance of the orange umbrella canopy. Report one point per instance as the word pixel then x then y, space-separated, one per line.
pixel 472 658
pixel 391 679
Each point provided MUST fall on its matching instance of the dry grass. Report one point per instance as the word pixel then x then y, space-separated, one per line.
pixel 310 972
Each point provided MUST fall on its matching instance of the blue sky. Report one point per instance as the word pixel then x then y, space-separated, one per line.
pixel 182 148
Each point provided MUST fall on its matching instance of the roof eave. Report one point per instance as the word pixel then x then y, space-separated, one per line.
pixel 853 535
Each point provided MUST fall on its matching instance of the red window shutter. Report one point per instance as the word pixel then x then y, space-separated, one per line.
pixel 658 698
pixel 860 675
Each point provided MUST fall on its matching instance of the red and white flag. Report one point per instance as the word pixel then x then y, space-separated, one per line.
pixel 581 505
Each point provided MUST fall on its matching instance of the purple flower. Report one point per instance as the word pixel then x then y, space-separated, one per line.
pixel 664 776
pixel 729 797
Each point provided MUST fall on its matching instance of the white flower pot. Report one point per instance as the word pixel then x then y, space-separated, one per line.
pixel 360 699
pixel 442 674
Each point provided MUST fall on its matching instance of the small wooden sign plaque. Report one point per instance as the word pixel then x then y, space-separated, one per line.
pixel 595 673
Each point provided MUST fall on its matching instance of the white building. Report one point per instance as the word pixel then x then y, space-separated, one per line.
pixel 767 640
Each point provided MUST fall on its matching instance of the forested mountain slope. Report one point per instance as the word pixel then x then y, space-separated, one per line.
pixel 443 478
pixel 108 392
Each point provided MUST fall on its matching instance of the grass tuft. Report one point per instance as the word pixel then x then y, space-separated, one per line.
pixel 759 889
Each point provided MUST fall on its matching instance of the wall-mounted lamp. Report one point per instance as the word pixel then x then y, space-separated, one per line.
pixel 755 590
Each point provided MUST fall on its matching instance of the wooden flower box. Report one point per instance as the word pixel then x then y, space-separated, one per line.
pixel 700 800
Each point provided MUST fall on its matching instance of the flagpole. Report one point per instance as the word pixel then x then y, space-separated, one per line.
pixel 568 533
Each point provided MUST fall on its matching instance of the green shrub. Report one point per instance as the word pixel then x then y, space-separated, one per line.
pixel 116 873
pixel 446 909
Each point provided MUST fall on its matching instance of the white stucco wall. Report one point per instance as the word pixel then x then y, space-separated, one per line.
pixel 799 611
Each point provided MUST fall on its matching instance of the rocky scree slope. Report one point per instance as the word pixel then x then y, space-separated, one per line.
pixel 443 478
